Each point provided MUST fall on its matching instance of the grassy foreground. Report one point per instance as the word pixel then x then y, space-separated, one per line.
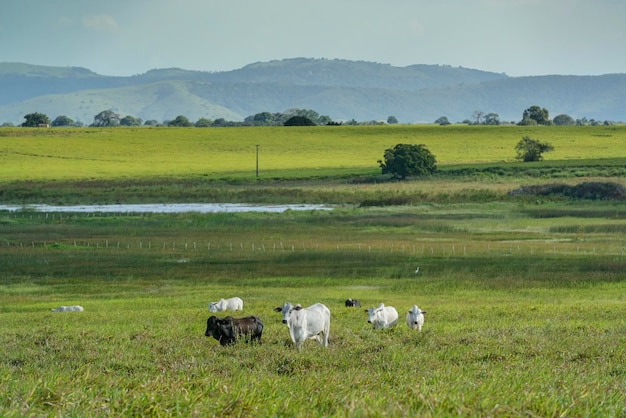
pixel 526 298
pixel 525 313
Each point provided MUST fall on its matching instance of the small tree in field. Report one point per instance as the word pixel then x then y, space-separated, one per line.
pixel 529 149
pixel 408 160
pixel 35 120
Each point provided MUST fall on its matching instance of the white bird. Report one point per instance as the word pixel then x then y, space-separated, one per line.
pixel 417 270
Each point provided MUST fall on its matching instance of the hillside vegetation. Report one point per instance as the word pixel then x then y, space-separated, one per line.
pixel 341 89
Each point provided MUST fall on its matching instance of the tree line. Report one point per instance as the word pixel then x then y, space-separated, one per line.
pixel 534 115
pixel 109 118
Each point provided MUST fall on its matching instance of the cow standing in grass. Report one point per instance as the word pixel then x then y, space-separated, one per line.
pixel 306 323
pixel 382 317
pixel 415 318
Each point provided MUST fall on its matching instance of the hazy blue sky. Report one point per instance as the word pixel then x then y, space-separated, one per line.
pixel 126 37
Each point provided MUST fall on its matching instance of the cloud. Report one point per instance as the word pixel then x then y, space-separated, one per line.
pixel 100 23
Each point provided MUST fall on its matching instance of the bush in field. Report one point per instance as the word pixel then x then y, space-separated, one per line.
pixel 299 121
pixel 564 120
pixel 180 121
pixel 598 191
pixel 130 120
pixel 62 121
pixel 586 191
pixel 529 149
pixel 405 160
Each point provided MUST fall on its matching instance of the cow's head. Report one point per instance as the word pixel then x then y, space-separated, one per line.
pixel 414 313
pixel 211 327
pixel 372 313
pixel 285 310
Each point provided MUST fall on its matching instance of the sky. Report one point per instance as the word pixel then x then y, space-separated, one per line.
pixel 129 37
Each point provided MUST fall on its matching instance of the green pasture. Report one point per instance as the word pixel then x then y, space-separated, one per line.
pixel 284 152
pixel 526 308
pixel 525 295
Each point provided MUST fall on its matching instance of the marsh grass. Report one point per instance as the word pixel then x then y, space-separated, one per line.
pixel 525 315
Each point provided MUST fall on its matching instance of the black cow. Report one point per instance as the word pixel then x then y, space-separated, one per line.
pixel 352 303
pixel 228 330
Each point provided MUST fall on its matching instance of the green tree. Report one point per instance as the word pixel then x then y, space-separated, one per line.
pixel 34 120
pixel 538 114
pixel 299 121
pixel 443 120
pixel 62 121
pixel 203 123
pixel 564 120
pixel 392 120
pixel 478 115
pixel 529 149
pixel 129 120
pixel 106 118
pixel 151 122
pixel 180 121
pixel 405 160
pixel 492 119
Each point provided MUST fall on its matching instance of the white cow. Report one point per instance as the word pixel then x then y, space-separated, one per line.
pixel 415 318
pixel 306 323
pixel 73 308
pixel 232 304
pixel 382 317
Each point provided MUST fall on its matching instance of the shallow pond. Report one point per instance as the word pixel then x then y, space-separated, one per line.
pixel 164 208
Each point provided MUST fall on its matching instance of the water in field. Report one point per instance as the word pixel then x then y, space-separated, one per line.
pixel 163 208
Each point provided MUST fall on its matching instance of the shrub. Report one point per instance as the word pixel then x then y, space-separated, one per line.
pixel 529 149
pixel 586 191
pixel 408 160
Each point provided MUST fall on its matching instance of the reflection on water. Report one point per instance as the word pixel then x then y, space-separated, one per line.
pixel 165 208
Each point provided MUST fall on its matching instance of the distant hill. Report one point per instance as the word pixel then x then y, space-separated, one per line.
pixel 341 89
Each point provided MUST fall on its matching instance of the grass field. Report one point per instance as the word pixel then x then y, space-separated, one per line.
pixel 525 297
pixel 294 152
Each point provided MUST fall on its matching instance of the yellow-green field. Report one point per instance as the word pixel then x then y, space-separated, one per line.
pixel 114 153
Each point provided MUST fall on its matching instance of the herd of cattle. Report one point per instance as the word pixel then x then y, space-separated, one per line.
pixel 312 322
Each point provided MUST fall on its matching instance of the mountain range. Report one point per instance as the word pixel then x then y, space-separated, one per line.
pixel 340 89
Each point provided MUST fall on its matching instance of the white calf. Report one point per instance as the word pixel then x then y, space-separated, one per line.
pixel 382 317
pixel 415 318
pixel 306 323
pixel 74 308
pixel 232 304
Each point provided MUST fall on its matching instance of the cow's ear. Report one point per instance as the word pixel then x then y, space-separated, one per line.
pixel 365 310
pixel 423 312
pixel 278 309
pixel 297 308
